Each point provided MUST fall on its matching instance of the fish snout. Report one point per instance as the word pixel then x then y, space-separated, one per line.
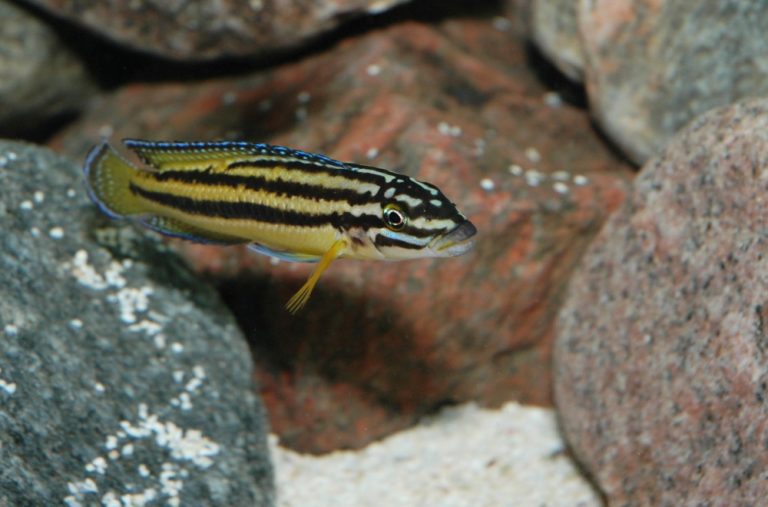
pixel 457 241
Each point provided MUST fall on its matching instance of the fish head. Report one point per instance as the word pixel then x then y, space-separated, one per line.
pixel 418 221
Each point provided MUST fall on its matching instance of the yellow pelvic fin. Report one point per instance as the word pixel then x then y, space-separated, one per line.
pixel 301 297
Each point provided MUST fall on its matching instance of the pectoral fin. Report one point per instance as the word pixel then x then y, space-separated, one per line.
pixel 302 296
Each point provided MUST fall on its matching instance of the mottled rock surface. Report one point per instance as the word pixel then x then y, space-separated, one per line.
pixel 654 65
pixel 555 29
pixel 123 380
pixel 380 343
pixel 206 29
pixel 661 356
pixel 40 78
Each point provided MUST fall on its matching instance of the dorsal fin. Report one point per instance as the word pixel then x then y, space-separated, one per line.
pixel 172 154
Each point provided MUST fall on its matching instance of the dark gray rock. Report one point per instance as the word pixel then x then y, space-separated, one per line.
pixel 122 376
pixel 40 78
pixel 661 358
pixel 206 29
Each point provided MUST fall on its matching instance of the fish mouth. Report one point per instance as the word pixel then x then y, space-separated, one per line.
pixel 458 241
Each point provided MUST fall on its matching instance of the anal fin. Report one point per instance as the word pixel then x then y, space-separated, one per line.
pixel 282 255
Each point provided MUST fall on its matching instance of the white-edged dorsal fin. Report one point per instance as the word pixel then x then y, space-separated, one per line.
pixel 163 155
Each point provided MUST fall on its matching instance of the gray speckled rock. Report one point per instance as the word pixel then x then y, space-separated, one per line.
pixel 661 359
pixel 654 65
pixel 554 27
pixel 120 380
pixel 205 29
pixel 39 77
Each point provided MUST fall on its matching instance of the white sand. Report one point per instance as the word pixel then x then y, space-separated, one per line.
pixel 463 457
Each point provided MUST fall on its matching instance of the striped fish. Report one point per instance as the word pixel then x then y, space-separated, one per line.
pixel 285 203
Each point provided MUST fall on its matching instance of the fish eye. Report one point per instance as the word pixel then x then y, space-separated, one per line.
pixel 394 217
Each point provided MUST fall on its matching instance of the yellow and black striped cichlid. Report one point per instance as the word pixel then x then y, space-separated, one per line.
pixel 285 203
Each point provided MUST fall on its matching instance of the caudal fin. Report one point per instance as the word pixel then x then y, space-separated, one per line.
pixel 107 179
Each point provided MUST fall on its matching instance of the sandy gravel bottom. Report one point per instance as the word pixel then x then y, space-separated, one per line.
pixel 465 456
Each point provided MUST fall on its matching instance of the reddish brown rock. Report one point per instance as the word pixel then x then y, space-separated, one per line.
pixel 381 343
pixel 661 356
pixel 206 29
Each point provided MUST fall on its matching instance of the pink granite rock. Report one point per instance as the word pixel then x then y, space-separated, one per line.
pixel 206 29
pixel 380 344
pixel 661 358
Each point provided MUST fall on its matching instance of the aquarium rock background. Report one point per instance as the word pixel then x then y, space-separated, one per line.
pixel 122 378
pixel 132 368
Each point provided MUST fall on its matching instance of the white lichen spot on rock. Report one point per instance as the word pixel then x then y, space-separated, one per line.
pixel 185 401
pixel 8 387
pixel 533 155
pixel 146 326
pixel 534 177
pixel 553 100
pixel 159 340
pixel 448 130
pixel 111 443
pixel 82 487
pixel 373 70
pixel 85 274
pixel 131 301
pixel 106 130
pixel 98 465
pixel 487 184
pixel 580 180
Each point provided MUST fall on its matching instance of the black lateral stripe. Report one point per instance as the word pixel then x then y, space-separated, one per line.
pixel 257 212
pixel 280 187
pixel 382 240
pixel 346 171
pixel 421 233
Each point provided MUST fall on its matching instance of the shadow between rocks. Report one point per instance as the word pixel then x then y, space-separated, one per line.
pixel 337 374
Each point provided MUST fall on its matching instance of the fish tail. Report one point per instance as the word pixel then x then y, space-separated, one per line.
pixel 108 178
